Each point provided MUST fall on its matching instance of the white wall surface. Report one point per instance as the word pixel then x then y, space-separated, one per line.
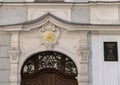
pixel 104 73
pixel 104 15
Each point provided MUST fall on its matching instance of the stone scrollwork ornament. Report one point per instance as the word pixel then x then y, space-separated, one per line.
pixel 49 35
pixel 84 53
pixel 14 54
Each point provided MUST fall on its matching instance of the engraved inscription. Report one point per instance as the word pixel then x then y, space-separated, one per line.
pixel 110 51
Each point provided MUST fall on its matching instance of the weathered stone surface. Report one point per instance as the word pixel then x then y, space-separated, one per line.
pixel 4 39
pixel 4 83
pixel 4 76
pixel 4 63
pixel 4 44
pixel 10 15
pixel 81 15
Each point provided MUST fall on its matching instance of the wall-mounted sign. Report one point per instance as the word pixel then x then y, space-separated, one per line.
pixel 110 51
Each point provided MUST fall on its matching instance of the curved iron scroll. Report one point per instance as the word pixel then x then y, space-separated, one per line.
pixel 49 59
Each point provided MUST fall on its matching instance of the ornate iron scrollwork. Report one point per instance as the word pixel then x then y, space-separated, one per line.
pixel 49 59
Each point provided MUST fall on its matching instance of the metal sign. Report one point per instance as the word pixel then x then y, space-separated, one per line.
pixel 110 51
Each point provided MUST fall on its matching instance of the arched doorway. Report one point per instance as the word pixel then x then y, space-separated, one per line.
pixel 49 68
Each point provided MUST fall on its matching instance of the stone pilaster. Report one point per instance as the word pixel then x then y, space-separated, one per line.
pixel 83 52
pixel 14 53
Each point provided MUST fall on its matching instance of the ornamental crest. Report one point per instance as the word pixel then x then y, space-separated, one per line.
pixel 49 35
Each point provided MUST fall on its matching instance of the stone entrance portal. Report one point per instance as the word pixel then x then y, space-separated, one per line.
pixel 49 68
pixel 48 33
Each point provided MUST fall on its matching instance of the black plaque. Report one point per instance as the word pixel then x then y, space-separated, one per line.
pixel 110 51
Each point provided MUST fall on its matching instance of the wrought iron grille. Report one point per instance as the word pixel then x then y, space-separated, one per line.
pixel 49 59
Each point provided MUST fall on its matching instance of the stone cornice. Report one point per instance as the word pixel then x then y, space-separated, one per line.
pixel 68 4
pixel 70 26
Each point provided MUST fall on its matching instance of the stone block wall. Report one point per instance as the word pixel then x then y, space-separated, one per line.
pixel 4 58
pixel 80 14
pixel 12 15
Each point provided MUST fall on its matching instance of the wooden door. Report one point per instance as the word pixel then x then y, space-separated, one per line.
pixel 52 77
pixel 49 69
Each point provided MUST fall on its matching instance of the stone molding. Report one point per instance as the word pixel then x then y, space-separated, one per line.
pixel 91 3
pixel 61 23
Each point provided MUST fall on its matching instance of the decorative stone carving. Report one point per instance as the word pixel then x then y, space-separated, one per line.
pixel 49 34
pixel 82 46
pixel 14 54
pixel 84 53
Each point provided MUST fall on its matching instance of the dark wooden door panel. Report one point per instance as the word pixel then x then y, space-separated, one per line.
pixel 39 80
pixel 65 81
pixel 49 79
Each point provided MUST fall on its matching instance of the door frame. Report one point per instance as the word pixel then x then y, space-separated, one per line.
pixel 73 56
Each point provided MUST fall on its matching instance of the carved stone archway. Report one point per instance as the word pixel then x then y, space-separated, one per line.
pixel 50 42
pixel 49 68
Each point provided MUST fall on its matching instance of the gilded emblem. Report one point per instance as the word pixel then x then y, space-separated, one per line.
pixel 48 36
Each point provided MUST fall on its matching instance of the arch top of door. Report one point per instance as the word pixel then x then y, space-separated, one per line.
pixel 51 62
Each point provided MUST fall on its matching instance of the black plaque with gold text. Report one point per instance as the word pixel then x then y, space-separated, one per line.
pixel 110 51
